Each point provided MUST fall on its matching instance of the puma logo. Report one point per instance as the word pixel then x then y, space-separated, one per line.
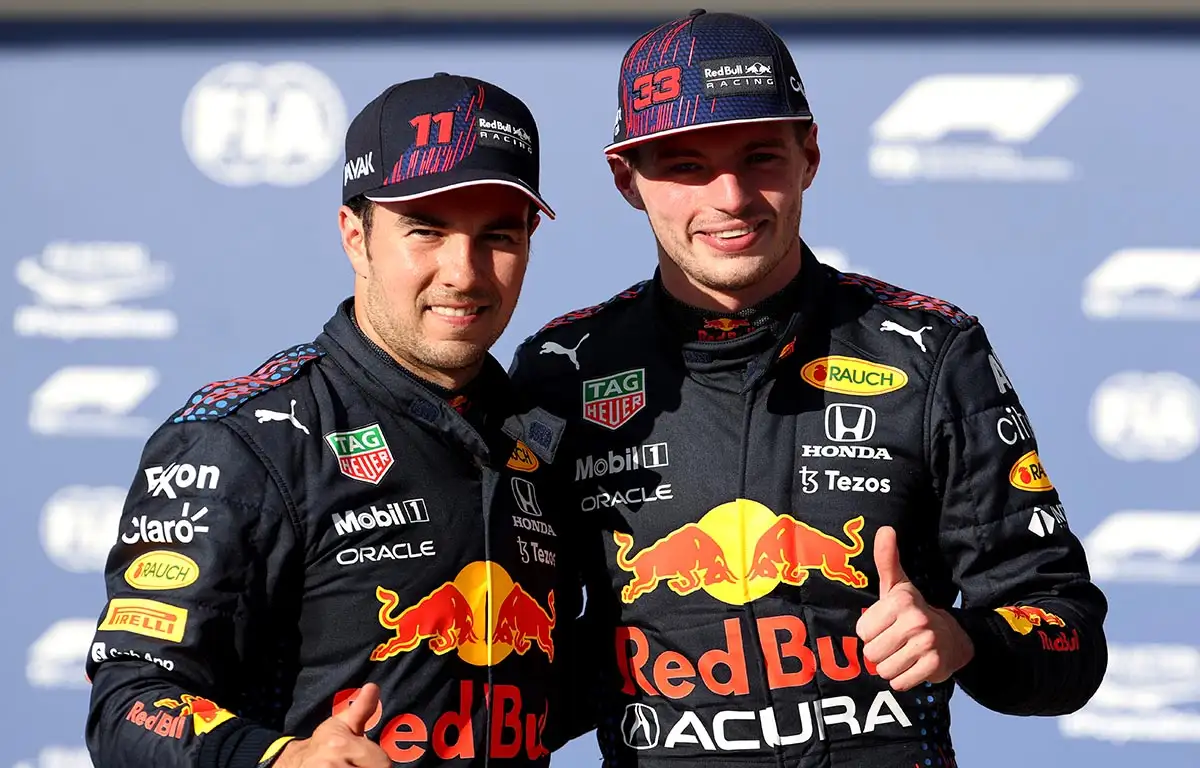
pixel 888 325
pixel 551 347
pixel 263 416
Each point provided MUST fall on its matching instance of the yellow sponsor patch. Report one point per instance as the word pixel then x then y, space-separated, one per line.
pixel 145 617
pixel 522 459
pixel 161 570
pixel 853 376
pixel 1028 474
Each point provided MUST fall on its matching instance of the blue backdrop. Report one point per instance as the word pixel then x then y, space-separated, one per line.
pixel 169 212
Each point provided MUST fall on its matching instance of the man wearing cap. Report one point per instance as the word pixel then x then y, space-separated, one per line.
pixel 346 558
pixel 814 500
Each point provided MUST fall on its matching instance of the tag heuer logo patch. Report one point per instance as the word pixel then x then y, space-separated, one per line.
pixel 362 454
pixel 613 400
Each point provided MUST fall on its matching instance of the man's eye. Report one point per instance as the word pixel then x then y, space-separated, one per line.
pixel 424 232
pixel 763 157
pixel 685 167
pixel 501 237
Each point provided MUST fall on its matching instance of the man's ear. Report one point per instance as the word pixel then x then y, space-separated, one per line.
pixel 354 241
pixel 812 153
pixel 624 178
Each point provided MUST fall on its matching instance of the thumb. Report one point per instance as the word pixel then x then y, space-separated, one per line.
pixel 361 709
pixel 887 560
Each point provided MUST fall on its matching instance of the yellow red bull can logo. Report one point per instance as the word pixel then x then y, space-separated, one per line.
pixel 853 376
pixel 1028 474
pixel 738 552
pixel 482 614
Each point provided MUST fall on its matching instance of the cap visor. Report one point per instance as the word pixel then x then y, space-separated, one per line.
pixel 629 143
pixel 381 195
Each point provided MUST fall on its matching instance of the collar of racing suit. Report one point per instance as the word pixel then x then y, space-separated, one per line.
pixel 774 325
pixel 492 398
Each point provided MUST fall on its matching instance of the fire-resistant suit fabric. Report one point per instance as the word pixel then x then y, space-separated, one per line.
pixel 731 491
pixel 322 523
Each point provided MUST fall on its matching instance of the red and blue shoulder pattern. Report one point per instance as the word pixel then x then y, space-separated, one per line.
pixel 575 315
pixel 221 398
pixel 894 296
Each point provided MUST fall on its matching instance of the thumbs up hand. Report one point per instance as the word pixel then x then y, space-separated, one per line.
pixel 908 641
pixel 339 741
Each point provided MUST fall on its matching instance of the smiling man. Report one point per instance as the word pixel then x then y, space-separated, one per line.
pixel 790 475
pixel 370 571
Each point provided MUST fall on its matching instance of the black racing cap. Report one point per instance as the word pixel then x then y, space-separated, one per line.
pixel 702 70
pixel 425 136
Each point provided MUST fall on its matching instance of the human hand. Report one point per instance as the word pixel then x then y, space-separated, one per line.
pixel 339 741
pixel 908 641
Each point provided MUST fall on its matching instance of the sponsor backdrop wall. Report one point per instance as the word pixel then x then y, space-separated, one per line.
pixel 169 217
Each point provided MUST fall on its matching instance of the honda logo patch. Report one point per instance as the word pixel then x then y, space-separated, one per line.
pixel 526 497
pixel 849 423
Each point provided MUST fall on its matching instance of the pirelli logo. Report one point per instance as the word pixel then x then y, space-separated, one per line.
pixel 145 617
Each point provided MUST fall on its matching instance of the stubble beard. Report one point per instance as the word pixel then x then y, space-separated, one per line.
pixel 406 342
pixel 733 273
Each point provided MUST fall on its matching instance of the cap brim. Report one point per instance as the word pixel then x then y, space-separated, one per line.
pixel 630 143
pixel 381 195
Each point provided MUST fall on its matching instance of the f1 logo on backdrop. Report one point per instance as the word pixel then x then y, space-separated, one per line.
pixel 245 123
pixel 1146 546
pixel 92 401
pixel 1007 110
pixel 1149 283
pixel 1139 416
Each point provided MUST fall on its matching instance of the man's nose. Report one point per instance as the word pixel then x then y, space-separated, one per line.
pixel 730 193
pixel 457 262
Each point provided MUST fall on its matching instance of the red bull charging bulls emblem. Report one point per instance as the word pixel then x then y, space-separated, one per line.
pixel 482 625
pixel 739 552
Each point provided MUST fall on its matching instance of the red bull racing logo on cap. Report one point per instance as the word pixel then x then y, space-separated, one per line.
pixel 483 615
pixel 739 552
